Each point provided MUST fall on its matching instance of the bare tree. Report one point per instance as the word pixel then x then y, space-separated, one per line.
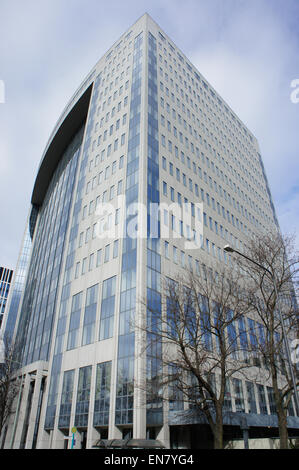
pixel 281 262
pixel 9 384
pixel 201 347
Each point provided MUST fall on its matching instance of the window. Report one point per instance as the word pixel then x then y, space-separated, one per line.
pixel 175 254
pixel 107 253
pixel 112 192
pixel 262 399
pixel 166 249
pixel 87 235
pixel 74 325
pixel 99 258
pixel 115 248
pixel 107 308
pixel 91 261
pixel 84 266
pixel 238 394
pixel 66 399
pixel 77 271
pixel 251 398
pixel 90 312
pixel 102 395
pixel 119 187
pixel 91 207
pixel 81 239
pixel 227 405
pixel 271 398
pixel 164 188
pixel 172 194
pixel 83 393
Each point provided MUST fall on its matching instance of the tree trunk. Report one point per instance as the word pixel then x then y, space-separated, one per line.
pixel 218 429
pixel 280 411
pixel 283 429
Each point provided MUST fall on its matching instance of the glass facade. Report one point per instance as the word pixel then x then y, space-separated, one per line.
pixel 102 395
pixel 83 397
pixel 90 314
pixel 19 282
pixel 73 335
pixel 238 394
pixel 64 306
pixel 262 399
pixel 154 406
pixel 39 303
pixel 66 399
pixel 126 340
pixel 107 308
pixel 251 397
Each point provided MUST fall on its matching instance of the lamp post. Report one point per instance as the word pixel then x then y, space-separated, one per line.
pixel 229 249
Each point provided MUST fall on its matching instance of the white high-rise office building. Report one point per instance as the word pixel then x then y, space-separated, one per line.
pixel 145 125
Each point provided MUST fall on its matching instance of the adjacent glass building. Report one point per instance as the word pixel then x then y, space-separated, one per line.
pixel 5 283
pixel 144 128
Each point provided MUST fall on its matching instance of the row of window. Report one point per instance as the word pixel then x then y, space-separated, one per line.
pixel 179 257
pixel 211 122
pixel 205 197
pixel 257 397
pixel 171 129
pixel 101 399
pixel 104 175
pixel 97 259
pixel 107 195
pixel 111 147
pixel 90 319
pixel 255 168
pixel 208 180
pixel 215 103
pixel 4 289
pixel 210 164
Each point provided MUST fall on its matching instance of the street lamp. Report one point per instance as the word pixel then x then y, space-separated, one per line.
pixel 229 249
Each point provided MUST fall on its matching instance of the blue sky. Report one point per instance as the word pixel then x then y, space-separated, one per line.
pixel 247 49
